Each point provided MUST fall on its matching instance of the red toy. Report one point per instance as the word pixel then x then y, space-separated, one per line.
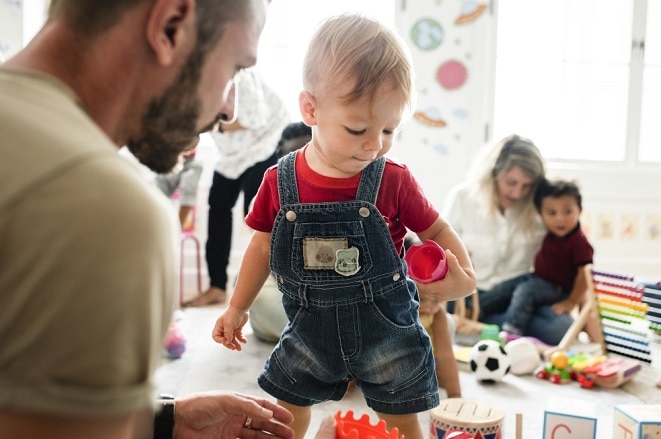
pixel 612 372
pixel 426 262
pixel 350 428
pixel 588 371
pixel 557 370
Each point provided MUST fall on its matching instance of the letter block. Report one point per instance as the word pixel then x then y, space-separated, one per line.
pixel 569 419
pixel 637 421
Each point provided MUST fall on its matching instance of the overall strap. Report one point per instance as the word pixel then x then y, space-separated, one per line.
pixel 287 188
pixel 370 181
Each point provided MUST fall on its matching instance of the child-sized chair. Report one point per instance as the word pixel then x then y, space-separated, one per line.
pixel 188 234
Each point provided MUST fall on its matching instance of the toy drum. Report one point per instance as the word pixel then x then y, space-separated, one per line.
pixel 477 418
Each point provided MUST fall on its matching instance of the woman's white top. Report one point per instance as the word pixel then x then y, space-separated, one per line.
pixel 498 248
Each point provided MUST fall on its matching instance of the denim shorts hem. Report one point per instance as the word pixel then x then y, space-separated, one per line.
pixel 284 395
pixel 417 405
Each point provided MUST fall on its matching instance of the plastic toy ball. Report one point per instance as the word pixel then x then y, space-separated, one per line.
pixel 524 356
pixel 560 360
pixel 348 427
pixel 489 361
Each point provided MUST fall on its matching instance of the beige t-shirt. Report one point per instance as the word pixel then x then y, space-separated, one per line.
pixel 87 260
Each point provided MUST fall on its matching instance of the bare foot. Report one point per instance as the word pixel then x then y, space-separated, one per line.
pixel 212 296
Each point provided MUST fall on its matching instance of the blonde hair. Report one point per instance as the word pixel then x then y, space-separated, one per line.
pixel 351 47
pixel 493 162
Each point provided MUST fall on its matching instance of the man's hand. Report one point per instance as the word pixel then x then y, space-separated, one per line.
pixel 230 415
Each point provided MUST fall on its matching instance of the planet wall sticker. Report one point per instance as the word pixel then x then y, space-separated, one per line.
pixel 451 74
pixel 427 34
pixel 470 10
pixel 430 116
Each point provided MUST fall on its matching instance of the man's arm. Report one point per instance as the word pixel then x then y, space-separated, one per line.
pixel 28 426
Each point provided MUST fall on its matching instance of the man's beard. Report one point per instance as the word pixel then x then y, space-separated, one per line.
pixel 169 124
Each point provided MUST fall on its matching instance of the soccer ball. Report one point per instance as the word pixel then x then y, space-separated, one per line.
pixel 489 361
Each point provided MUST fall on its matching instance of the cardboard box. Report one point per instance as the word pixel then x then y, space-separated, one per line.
pixel 637 421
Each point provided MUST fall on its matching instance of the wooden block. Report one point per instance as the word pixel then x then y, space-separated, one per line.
pixel 634 421
pixel 569 419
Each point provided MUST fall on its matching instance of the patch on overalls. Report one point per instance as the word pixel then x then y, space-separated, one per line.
pixel 320 253
pixel 346 261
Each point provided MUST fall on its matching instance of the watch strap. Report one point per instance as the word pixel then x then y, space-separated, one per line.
pixel 164 417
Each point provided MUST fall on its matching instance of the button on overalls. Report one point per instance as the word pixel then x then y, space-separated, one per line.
pixel 353 312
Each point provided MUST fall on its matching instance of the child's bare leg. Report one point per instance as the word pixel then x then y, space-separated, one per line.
pixel 302 417
pixel 447 371
pixel 408 425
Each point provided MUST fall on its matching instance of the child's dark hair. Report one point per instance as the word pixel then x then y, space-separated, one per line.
pixel 557 188
pixel 294 136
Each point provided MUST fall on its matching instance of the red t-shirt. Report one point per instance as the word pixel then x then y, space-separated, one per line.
pixel 401 200
pixel 559 259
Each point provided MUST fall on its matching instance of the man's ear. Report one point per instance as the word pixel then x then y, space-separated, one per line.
pixel 308 105
pixel 170 29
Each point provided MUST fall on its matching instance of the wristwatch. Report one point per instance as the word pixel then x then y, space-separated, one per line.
pixel 164 417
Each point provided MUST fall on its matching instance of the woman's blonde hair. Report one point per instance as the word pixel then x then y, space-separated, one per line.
pixel 493 162
pixel 351 47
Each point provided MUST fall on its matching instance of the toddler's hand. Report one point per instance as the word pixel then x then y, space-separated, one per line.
pixel 562 307
pixel 228 330
pixel 458 283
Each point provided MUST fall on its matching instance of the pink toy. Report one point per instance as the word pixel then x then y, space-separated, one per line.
pixel 175 342
pixel 426 262
pixel 349 428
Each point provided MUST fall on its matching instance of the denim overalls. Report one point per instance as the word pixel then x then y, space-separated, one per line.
pixel 353 313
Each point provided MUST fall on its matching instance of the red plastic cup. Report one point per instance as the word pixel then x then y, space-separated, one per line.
pixel 426 262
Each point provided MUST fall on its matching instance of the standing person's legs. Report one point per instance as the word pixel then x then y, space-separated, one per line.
pixel 407 425
pixel 302 417
pixel 222 196
pixel 447 371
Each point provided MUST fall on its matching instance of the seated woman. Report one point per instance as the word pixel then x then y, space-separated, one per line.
pixel 494 214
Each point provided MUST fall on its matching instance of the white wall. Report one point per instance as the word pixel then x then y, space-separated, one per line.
pixel 19 21
pixel 622 203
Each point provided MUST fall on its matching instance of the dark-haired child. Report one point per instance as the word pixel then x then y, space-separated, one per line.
pixel 558 278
